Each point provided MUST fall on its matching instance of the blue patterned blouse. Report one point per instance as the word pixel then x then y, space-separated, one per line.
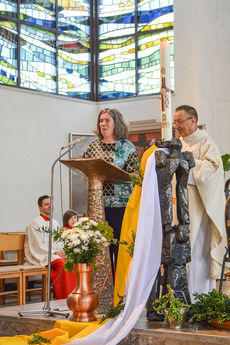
pixel 123 154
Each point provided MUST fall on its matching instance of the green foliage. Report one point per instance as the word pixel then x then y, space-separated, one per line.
pixel 84 241
pixel 38 339
pixel 114 311
pixel 130 248
pixel 106 231
pixel 226 161
pixel 214 305
pixel 171 306
pixel 137 178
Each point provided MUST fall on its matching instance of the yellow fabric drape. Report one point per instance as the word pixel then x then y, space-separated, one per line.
pixel 129 225
pixel 62 333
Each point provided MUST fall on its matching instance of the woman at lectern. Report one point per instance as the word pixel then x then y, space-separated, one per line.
pixel 113 147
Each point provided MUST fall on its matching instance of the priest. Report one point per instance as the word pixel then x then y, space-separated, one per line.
pixel 206 203
pixel 36 251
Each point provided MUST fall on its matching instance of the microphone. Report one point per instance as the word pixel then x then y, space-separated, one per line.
pixel 74 142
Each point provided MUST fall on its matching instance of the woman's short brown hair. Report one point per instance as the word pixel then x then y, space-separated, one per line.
pixel 120 129
pixel 67 215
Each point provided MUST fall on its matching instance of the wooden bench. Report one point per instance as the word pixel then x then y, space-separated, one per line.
pixel 21 271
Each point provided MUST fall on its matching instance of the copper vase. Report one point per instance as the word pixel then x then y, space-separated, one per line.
pixel 83 301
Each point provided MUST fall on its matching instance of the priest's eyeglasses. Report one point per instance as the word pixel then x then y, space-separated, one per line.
pixel 179 122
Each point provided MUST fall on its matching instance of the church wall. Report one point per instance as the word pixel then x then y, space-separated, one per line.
pixel 202 55
pixel 33 129
pixel 214 71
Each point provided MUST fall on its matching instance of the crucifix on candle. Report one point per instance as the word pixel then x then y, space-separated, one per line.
pixel 166 107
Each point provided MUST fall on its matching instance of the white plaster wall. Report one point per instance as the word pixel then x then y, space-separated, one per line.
pixel 34 126
pixel 214 71
pixel 135 109
pixel 202 55
pixel 33 129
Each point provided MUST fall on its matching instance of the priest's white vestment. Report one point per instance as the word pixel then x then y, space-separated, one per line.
pixel 206 207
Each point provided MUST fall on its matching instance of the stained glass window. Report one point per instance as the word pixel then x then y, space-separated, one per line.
pixel 73 66
pixel 74 48
pixel 129 39
pixel 40 12
pixel 85 48
pixel 9 8
pixel 8 53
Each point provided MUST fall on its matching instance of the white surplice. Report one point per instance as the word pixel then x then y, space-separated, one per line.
pixel 36 242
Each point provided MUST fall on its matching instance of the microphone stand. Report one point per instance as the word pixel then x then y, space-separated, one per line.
pixel 47 309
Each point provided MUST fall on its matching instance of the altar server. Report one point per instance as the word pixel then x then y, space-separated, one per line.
pixel 36 251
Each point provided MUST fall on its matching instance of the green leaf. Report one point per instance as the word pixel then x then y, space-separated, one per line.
pixel 38 339
pixel 114 311
pixel 131 245
pixel 171 305
pixel 226 161
pixel 214 305
pixel 137 178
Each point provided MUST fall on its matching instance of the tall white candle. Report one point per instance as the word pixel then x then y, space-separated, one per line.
pixel 166 105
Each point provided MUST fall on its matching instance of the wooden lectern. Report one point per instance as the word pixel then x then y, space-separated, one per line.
pixel 97 171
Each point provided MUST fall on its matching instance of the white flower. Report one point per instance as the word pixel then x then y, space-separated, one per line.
pixel 76 250
pixel 83 219
pixel 65 233
pixel 93 222
pixel 76 242
pixel 84 236
pixel 75 230
pixel 84 247
pixel 73 237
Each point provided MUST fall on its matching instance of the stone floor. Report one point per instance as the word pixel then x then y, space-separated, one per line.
pixel 144 332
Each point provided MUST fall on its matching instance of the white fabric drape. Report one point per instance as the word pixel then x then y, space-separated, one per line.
pixel 144 267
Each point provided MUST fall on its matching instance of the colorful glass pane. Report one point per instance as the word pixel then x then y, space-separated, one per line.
pixel 73 66
pixel 116 18
pixel 154 14
pixel 149 62
pixel 129 34
pixel 73 17
pixel 9 8
pixel 40 12
pixel 38 59
pixel 8 53
pixel 117 68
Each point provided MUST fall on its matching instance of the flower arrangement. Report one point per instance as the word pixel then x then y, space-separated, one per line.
pixel 84 241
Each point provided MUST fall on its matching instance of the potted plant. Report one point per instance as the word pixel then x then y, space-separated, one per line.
pixel 173 309
pixel 213 308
